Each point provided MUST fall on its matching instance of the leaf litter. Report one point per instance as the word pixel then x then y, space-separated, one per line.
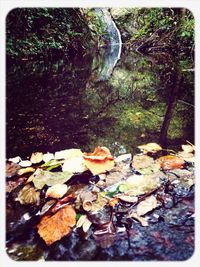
pixel 117 189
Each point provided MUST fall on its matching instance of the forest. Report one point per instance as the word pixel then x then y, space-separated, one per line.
pixel 100 146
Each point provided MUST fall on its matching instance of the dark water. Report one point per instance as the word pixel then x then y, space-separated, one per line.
pixel 83 102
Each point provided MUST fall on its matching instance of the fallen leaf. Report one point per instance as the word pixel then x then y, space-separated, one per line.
pixel 188 148
pixel 53 228
pixel 68 153
pixel 36 157
pixel 127 198
pixel 41 177
pixel 11 169
pixel 171 162
pixel 113 202
pixel 99 161
pixel 47 157
pixel 15 159
pixel 187 156
pixel 83 222
pixel 11 185
pixel 25 163
pixel 25 170
pixel 146 205
pixel 145 164
pixel 142 220
pixel 150 147
pixel 57 191
pixel 75 165
pixel 140 184
pixel 28 195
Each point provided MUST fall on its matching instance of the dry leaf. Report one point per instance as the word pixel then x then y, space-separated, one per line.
pixel 47 157
pixel 40 178
pixel 68 153
pixel 142 220
pixel 15 159
pixel 11 169
pixel 53 228
pixel 127 198
pixel 25 170
pixel 36 157
pixel 83 222
pixel 146 205
pixel 150 147
pixel 57 191
pixel 75 165
pixel 113 202
pixel 145 164
pixel 25 163
pixel 140 184
pixel 188 148
pixel 99 161
pixel 189 157
pixel 28 195
pixel 171 162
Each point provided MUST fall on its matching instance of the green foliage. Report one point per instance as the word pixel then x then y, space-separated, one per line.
pixel 44 31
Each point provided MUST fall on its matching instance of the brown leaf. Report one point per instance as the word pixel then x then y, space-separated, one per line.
pixel 146 205
pixel 53 228
pixel 171 162
pixel 99 161
pixel 11 169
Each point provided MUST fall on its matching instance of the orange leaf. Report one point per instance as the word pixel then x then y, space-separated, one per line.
pixel 113 202
pixel 99 161
pixel 53 228
pixel 171 162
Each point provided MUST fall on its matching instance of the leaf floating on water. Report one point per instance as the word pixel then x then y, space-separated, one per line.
pixel 57 191
pixel 150 147
pixel 25 170
pixel 36 157
pixel 41 177
pixel 11 185
pixel 188 148
pixel 15 159
pixel 47 157
pixel 127 198
pixel 142 220
pixel 74 165
pixel 146 205
pixel 25 163
pixel 171 162
pixel 83 222
pixel 11 169
pixel 189 157
pixel 68 153
pixel 28 195
pixel 99 161
pixel 53 228
pixel 140 184
pixel 145 164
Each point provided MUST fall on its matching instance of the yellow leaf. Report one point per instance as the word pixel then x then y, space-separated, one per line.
pixel 150 147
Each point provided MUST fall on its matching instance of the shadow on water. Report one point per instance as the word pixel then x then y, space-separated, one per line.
pixel 98 100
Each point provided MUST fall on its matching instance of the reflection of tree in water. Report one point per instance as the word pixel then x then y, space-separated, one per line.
pixel 61 105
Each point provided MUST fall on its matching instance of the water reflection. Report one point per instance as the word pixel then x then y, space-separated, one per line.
pixel 76 103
